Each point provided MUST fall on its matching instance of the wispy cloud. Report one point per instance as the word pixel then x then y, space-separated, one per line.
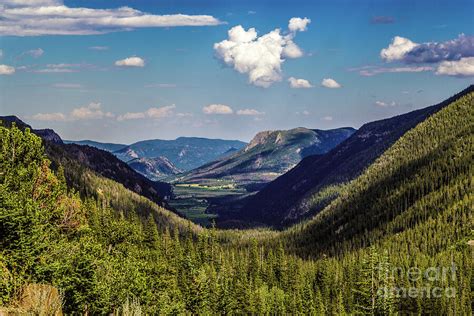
pixel 369 71
pixel 92 111
pixel 53 17
pixel 384 104
pixel 58 68
pixel 153 113
pixel 99 48
pixel 35 53
pixel 250 112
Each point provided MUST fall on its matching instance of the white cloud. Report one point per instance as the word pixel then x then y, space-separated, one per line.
pixel 402 49
pixel 369 71
pixel 91 111
pixel 49 117
pixel 130 62
pixel 1 53
pixel 131 116
pixel 217 109
pixel 100 48
pixel 261 57
pixel 299 83
pixel 330 83
pixel 154 113
pixel 251 12
pixel 251 112
pixel 7 70
pixel 462 67
pixel 50 17
pixel 298 24
pixel 35 53
pixel 385 104
pixel 291 50
pixel 164 111
pixel 327 118
pixel 58 68
pixel 397 49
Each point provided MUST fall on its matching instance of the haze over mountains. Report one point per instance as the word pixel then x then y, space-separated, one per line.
pixel 184 152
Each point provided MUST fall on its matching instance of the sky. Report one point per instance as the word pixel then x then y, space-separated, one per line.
pixel 123 71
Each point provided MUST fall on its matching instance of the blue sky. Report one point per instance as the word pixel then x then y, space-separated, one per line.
pixel 123 75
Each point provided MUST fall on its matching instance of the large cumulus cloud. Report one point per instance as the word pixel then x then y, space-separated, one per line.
pixel 260 58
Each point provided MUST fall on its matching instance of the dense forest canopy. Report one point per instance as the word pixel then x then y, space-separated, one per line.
pixel 397 240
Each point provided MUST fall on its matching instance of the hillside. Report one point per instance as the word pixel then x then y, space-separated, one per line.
pixel 111 147
pixel 76 159
pixel 268 155
pixel 411 210
pixel 316 180
pixel 185 153
pixel 154 168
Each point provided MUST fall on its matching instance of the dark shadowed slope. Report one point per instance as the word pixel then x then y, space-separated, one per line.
pixel 285 200
pixel 104 146
pixel 417 196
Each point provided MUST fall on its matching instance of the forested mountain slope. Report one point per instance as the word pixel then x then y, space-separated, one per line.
pixel 105 258
pixel 418 194
pixel 76 159
pixel 268 155
pixel 315 181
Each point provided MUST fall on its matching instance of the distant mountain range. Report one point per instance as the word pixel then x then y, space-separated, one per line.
pixel 268 155
pixel 312 184
pixel 184 153
pixel 111 147
pixel 154 168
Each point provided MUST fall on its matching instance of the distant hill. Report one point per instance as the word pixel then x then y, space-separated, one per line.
pixel 268 155
pixel 154 168
pixel 77 159
pixel 46 134
pixel 111 147
pixel 185 153
pixel 294 195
